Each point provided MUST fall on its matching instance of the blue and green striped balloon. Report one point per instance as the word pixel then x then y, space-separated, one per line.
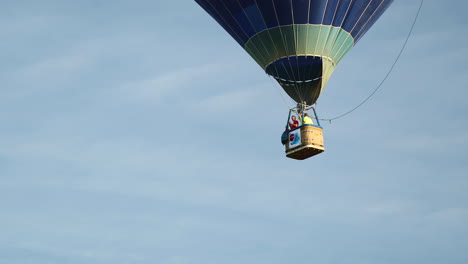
pixel 298 42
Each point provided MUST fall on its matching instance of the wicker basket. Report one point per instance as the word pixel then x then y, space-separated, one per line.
pixel 311 142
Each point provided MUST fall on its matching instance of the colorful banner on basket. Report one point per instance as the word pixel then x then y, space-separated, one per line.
pixel 294 138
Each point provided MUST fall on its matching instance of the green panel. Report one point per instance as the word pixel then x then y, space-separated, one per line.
pixel 311 40
pixel 341 50
pixel 322 40
pixel 301 39
pixel 289 40
pixel 278 42
pixel 330 41
pixel 312 32
pixel 327 70
pixel 255 55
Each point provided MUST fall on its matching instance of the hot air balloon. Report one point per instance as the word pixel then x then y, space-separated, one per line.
pixel 299 43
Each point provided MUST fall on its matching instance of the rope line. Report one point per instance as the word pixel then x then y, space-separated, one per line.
pixel 274 45
pixel 296 88
pixel 388 73
pixel 280 92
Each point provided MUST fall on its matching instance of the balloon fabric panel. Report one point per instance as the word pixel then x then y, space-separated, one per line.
pixel 298 42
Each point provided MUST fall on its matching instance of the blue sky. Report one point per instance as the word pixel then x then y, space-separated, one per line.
pixel 142 133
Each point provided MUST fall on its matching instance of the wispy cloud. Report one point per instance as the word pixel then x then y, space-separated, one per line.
pixel 96 168
pixel 230 101
pixel 392 207
pixel 176 85
pixel 431 142
pixel 451 217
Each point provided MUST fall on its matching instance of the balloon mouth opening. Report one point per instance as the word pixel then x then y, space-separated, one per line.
pixel 297 69
pixel 300 76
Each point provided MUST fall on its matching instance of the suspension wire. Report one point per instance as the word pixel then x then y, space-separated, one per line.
pixel 276 50
pixel 341 25
pixel 245 33
pixel 227 24
pixel 296 42
pixel 263 44
pixel 388 73
pixel 253 27
pixel 287 49
pixel 338 55
pixel 328 48
pixel 306 42
pixel 279 91
pixel 312 71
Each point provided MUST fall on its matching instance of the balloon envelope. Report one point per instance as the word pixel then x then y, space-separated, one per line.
pixel 298 42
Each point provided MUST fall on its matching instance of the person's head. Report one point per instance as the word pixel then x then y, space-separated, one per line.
pixel 306 114
pixel 293 118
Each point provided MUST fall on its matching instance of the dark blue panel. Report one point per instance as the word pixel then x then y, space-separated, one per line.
pixel 317 8
pixel 300 11
pixel 224 15
pixel 354 14
pixel 268 12
pixel 255 18
pixel 223 22
pixel 281 69
pixel 238 13
pixel 332 6
pixel 341 12
pixel 298 69
pixel 365 15
pixel 244 18
pixel 371 21
pixel 283 11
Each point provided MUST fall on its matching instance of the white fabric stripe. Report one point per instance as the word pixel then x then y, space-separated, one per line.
pixel 230 26
pixel 364 26
pixel 329 33
pixel 274 44
pixel 282 37
pixel 295 43
pixel 339 56
pixel 251 24
pixel 323 18
pixel 342 22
